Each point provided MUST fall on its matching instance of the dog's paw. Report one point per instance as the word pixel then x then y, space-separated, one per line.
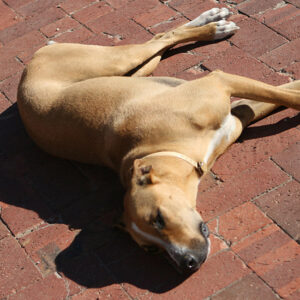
pixel 212 15
pixel 225 29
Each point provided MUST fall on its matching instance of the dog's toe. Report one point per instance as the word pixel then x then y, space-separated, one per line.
pixel 212 15
pixel 224 29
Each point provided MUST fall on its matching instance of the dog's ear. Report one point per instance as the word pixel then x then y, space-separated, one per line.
pixel 144 174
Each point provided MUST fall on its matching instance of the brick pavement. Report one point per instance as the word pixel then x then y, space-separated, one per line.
pixel 56 235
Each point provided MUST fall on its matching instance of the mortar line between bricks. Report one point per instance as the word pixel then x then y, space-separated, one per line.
pixel 15 11
pixel 278 166
pixel 6 97
pixel 113 276
pixel 273 289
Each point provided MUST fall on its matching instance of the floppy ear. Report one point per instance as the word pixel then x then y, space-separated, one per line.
pixel 144 174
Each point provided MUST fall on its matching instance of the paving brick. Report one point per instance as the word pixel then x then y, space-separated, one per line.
pixel 92 12
pixel 17 3
pixel 289 160
pixel 36 7
pixel 17 271
pixel 114 291
pixel 251 34
pixel 51 287
pixel 167 25
pixel 294 69
pixel 3 230
pixel 4 103
pixel 241 221
pixel 280 268
pixel 258 142
pixel 282 205
pixel 71 6
pixel 295 2
pixel 217 245
pixel 234 60
pixel 256 6
pixel 261 243
pixel 8 16
pixel 154 16
pixel 117 3
pixel 77 35
pixel 284 20
pixel 229 194
pixel 192 73
pixel 215 274
pixel 174 64
pixel 46 17
pixel 136 7
pixel 250 287
pixel 193 9
pixel 23 44
pixel 294 295
pixel 9 86
pixel 36 241
pixel 115 25
pixel 283 56
pixel 9 67
pixel 60 26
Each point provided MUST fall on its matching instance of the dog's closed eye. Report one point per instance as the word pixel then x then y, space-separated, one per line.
pixel 159 222
pixel 204 229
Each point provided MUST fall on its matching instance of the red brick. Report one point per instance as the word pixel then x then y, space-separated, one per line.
pixel 115 25
pixel 101 39
pixel 175 64
pixel 215 274
pixel 9 86
pixel 9 67
pixel 22 44
pixel 282 205
pixel 17 3
pixel 39 239
pixel 261 243
pixel 114 291
pixel 290 289
pixel 155 15
pixel 117 3
pixel 191 8
pixel 249 287
pixel 192 73
pixel 51 287
pixel 289 160
pixel 284 20
pixel 168 25
pixel 3 231
pixel 294 295
pixel 8 16
pixel 36 7
pixel 294 69
pixel 257 6
pixel 206 51
pixel 258 142
pixel 217 245
pixel 21 219
pixel 283 56
pixel 137 7
pixel 229 194
pixel 251 34
pixel 280 268
pixel 4 103
pixel 77 35
pixel 92 12
pixel 17 271
pixel 71 6
pixel 241 221
pixel 295 2
pixel 46 17
pixel 59 26
pixel 234 60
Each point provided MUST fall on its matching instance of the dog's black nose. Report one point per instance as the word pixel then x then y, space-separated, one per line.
pixel 190 262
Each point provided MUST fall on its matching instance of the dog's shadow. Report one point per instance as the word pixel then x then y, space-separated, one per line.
pixel 88 199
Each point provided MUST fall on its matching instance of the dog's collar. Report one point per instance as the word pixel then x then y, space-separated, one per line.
pixel 199 166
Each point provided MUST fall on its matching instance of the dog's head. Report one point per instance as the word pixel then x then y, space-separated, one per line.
pixel 157 213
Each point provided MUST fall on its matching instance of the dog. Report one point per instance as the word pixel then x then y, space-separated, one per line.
pixel 96 105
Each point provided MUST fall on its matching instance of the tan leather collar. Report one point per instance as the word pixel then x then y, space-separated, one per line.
pixel 199 166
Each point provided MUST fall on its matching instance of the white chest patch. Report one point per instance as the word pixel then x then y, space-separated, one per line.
pixel 225 131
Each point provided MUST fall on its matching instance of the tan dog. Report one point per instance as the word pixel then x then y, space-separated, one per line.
pixel 160 134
